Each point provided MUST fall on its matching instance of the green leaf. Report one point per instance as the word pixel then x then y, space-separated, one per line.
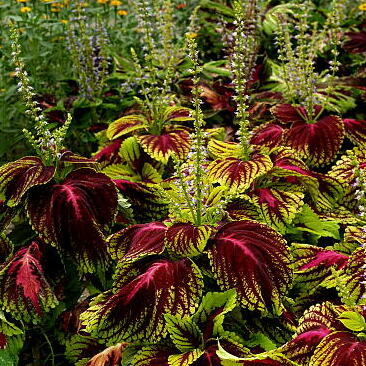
pixel 130 151
pixel 353 321
pixel 224 355
pixel 217 303
pixel 311 222
pixel 262 340
pixel 217 7
pixel 7 328
pixel 184 333
pixel 9 356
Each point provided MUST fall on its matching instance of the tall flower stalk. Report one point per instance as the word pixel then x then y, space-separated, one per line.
pixel 299 40
pixel 87 43
pixel 242 64
pixel 197 137
pixel 46 144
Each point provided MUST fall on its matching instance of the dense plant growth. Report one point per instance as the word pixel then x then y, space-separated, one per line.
pixel 183 183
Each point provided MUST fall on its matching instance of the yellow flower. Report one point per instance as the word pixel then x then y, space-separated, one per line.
pixel 25 9
pixel 63 21
pixel 102 1
pixel 21 1
pixel 116 3
pixel 122 12
pixel 191 35
pixel 362 7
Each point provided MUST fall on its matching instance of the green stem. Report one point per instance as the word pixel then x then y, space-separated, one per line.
pixel 51 349
pixel 184 189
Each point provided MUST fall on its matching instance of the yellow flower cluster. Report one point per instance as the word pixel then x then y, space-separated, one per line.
pixel 56 6
pixel 25 9
pixel 102 1
pixel 362 7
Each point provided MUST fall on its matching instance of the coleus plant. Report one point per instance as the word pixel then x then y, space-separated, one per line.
pixel 212 281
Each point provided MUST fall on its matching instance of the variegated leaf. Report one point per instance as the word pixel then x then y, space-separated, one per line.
pixel 147 201
pixel 171 142
pixel 278 206
pixel 353 281
pixel 183 332
pixel 355 234
pixel 301 348
pixel 340 349
pixel 135 311
pixel 155 355
pixel 243 208
pixel 287 113
pixel 177 114
pixel 108 153
pixel 186 239
pixel 24 290
pixel 269 134
pixel 317 143
pixel 312 265
pixel 121 171
pixel 211 312
pixel 17 177
pixel 329 192
pixel 320 316
pixel 75 214
pixel 125 125
pixel 356 131
pixel 185 359
pixel 80 348
pixel 238 174
pixel 222 149
pixel 344 170
pixel 130 152
pixel 136 241
pixel 253 259
pixel 6 247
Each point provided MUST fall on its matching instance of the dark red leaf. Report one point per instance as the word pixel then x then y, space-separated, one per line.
pixel 269 134
pixel 3 340
pixel 302 347
pixel 137 240
pixel 356 42
pixel 356 131
pixel 75 214
pixel 187 239
pixel 287 113
pixel 24 290
pixel 317 143
pixel 253 259
pixel 109 153
pixel 135 311
pixel 340 349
